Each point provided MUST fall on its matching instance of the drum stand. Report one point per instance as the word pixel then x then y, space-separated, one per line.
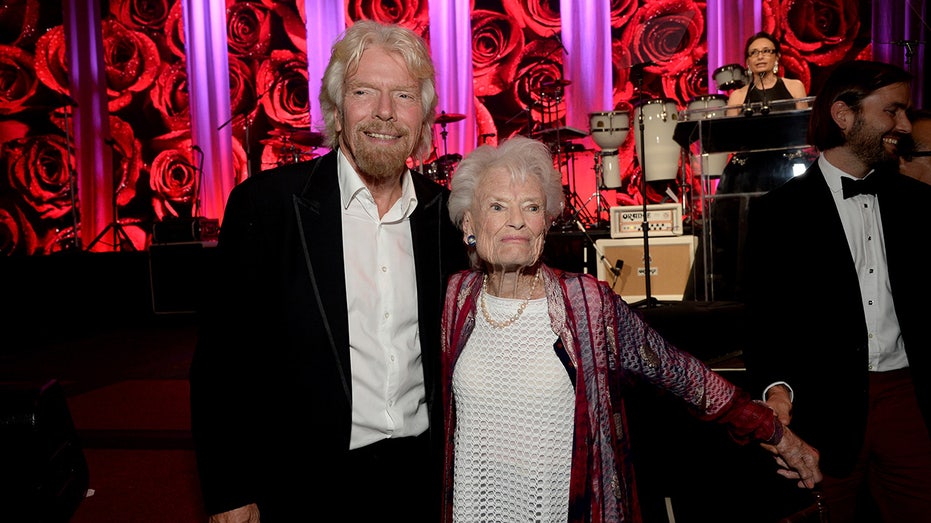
pixel 599 198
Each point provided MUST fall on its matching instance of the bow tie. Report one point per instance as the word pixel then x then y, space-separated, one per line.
pixel 853 187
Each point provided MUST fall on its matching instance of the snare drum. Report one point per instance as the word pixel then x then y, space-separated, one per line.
pixel 731 76
pixel 709 106
pixel 661 159
pixel 609 129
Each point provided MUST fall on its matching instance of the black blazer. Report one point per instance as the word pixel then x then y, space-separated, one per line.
pixel 805 307
pixel 270 378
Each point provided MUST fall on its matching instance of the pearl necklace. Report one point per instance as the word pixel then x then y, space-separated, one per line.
pixel 520 308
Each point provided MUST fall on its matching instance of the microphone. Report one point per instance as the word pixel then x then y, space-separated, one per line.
pixel 765 109
pixel 196 148
pixel 110 141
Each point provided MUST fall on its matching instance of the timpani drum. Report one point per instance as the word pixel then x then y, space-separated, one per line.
pixel 609 130
pixel 707 107
pixel 730 76
pixel 660 160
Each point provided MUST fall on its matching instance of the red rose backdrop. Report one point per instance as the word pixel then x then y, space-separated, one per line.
pixel 516 55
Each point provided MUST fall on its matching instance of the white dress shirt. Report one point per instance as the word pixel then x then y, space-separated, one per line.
pixel 388 395
pixel 863 227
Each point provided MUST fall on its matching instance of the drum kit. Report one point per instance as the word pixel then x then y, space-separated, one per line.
pixel 441 169
pixel 294 146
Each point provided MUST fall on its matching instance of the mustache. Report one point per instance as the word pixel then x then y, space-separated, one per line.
pixel 385 128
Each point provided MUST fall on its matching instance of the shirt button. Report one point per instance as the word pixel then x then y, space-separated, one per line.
pixel 871 271
pixel 387 314
pixel 870 302
pixel 384 269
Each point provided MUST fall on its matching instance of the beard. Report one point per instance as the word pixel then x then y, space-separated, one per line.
pixel 867 145
pixel 381 162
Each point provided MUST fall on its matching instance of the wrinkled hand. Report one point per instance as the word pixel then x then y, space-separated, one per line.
pixel 246 514
pixel 778 399
pixel 796 459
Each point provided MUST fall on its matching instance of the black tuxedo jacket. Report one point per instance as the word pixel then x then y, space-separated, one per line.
pixel 805 306
pixel 270 378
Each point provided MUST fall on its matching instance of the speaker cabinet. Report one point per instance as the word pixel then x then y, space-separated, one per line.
pixel 43 472
pixel 671 260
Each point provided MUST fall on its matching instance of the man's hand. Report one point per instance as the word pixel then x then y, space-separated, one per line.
pixel 779 399
pixel 246 514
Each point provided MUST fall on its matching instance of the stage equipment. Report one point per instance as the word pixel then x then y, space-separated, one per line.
pixel 664 219
pixel 729 77
pixel 784 130
pixel 442 120
pixel 708 106
pixel 670 266
pixel 657 150
pixel 609 130
pixel 121 240
pixel 442 169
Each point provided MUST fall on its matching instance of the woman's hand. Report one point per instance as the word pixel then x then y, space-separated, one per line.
pixel 796 459
pixel 246 514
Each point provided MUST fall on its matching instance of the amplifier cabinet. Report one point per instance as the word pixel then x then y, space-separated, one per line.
pixel 671 260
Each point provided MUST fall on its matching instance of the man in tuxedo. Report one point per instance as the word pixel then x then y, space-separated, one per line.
pixel 915 153
pixel 838 296
pixel 314 381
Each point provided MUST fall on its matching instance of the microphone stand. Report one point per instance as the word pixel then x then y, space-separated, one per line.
pixel 200 181
pixel 765 109
pixel 648 300
pixel 618 264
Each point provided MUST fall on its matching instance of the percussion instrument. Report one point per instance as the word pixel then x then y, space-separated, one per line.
pixel 730 76
pixel 608 130
pixel 708 107
pixel 442 169
pixel 444 118
pixel 660 161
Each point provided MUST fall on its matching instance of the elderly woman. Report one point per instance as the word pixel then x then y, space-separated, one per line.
pixel 535 362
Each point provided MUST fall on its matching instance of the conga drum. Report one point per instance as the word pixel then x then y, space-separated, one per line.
pixel 707 107
pixel 608 130
pixel 657 150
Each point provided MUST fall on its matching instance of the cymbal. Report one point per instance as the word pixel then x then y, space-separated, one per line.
pixel 308 138
pixel 445 118
pixel 555 84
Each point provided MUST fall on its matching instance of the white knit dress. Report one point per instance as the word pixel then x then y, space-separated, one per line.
pixel 514 416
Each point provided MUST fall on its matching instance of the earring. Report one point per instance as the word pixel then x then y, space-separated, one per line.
pixel 775 68
pixel 470 240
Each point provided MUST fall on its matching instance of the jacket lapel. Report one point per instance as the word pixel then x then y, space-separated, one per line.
pixel 319 227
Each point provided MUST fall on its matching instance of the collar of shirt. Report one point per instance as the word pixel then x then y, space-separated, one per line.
pixel 832 175
pixel 352 188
